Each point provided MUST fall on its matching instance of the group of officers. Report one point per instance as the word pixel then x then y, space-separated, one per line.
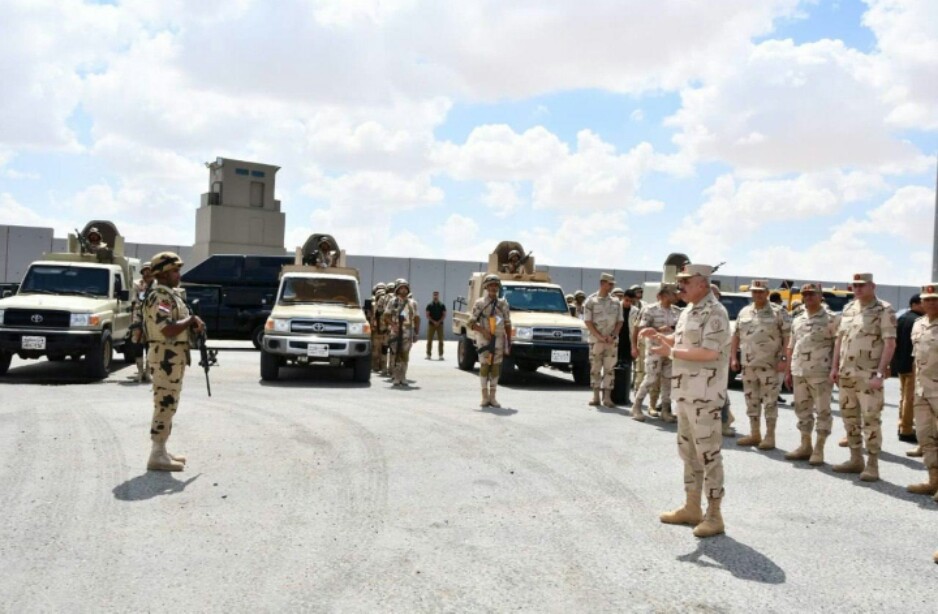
pixel 688 353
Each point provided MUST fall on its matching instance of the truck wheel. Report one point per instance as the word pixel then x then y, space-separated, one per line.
pixel 362 369
pixel 5 358
pixel 508 373
pixel 270 366
pixel 466 353
pixel 257 336
pixel 581 373
pixel 98 358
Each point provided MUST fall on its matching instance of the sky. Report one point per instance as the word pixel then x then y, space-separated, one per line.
pixel 790 139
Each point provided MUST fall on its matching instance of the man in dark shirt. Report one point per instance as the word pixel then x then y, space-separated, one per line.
pixel 624 365
pixel 903 367
pixel 436 314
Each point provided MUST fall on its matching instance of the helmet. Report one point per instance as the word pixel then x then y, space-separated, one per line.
pixel 145 267
pixel 491 279
pixel 378 286
pixel 165 261
pixel 618 291
pixel 401 282
pixel 569 298
pixel 514 252
pixel 93 231
pixel 579 294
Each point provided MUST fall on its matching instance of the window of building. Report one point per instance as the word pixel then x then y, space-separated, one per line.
pixel 257 173
pixel 241 171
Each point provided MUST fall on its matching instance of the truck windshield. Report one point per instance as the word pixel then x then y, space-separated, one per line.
pixel 535 298
pixel 52 279
pixel 299 290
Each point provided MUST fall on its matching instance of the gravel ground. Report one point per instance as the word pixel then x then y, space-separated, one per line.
pixel 317 494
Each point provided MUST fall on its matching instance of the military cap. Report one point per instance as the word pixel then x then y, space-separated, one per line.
pixel 811 287
pixel 669 288
pixel 514 252
pixel 145 267
pixel 635 288
pixel 930 290
pixel 165 261
pixel 491 279
pixel 618 290
pixel 693 270
pixel 862 278
pixel 761 285
pixel 579 293
pixel 607 277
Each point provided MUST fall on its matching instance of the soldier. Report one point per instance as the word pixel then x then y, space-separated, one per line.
pixel 698 348
pixel 138 337
pixel 95 244
pixel 514 262
pixel 436 316
pixel 579 297
pixel 635 292
pixel 168 326
pixel 491 318
pixel 925 404
pixel 378 336
pixel 810 351
pixel 603 317
pixel 404 319
pixel 866 340
pixel 571 306
pixel 762 331
pixel 388 362
pixel 662 316
pixel 325 257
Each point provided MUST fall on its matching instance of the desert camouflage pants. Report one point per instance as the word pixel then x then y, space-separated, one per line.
pixel 639 366
pixel 813 398
pixel 490 362
pixel 657 380
pixel 377 358
pixel 603 358
pixel 400 359
pixel 699 438
pixel 761 386
pixel 167 369
pixel 926 428
pixel 861 408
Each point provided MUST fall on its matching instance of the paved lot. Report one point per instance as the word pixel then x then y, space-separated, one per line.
pixel 318 494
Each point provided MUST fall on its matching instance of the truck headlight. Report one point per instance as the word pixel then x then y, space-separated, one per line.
pixel 84 319
pixel 359 328
pixel 524 333
pixel 278 325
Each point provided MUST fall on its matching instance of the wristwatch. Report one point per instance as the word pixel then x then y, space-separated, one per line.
pixel 878 375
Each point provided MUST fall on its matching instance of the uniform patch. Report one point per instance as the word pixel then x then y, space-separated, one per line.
pixel 165 307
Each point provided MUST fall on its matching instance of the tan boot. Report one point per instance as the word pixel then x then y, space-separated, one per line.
pixel 653 406
pixel 934 557
pixel 713 522
pixel 607 398
pixel 492 400
pixel 871 472
pixel 768 442
pixel 485 395
pixel 690 514
pixel 915 452
pixel 637 413
pixel 160 460
pixel 754 437
pixel 817 457
pixel 926 488
pixel 595 401
pixel 179 458
pixel 666 414
pixel 140 371
pixel 802 452
pixel 728 431
pixel 843 443
pixel 854 465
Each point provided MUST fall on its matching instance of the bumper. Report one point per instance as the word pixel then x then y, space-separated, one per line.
pixel 296 345
pixel 540 352
pixel 57 342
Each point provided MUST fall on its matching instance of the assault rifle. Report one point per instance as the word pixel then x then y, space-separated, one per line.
pixel 525 259
pixel 490 346
pixel 207 358
pixel 400 334
pixel 83 242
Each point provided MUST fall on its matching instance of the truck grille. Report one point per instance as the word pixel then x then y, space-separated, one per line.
pixel 36 318
pixel 558 335
pixel 319 327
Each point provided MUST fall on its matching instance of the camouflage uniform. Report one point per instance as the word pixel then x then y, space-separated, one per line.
pixel 140 292
pixel 606 314
pixel 925 355
pixel 489 314
pixel 168 357
pixel 635 315
pixel 657 376
pixel 378 332
pixel 812 349
pixel 862 332
pixel 700 392
pixel 405 327
pixel 762 334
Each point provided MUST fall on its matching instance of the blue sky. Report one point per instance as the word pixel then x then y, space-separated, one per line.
pixel 790 139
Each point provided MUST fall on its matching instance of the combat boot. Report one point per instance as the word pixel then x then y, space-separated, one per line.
pixel 653 409
pixel 690 514
pixel 768 442
pixel 854 465
pixel 754 437
pixel 160 460
pixel 817 457
pixel 595 400
pixel 607 398
pixel 935 556
pixel 485 394
pixel 802 452
pixel 493 402
pixel 713 522
pixel 666 414
pixel 179 458
pixel 140 372
pixel 728 431
pixel 926 488
pixel 915 452
pixel 637 414
pixel 871 472
pixel 843 443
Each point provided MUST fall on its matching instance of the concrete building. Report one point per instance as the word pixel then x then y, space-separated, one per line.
pixel 239 214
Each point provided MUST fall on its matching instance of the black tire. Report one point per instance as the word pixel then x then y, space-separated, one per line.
pixel 99 357
pixel 581 373
pixel 5 358
pixel 466 354
pixel 507 374
pixel 270 366
pixel 257 337
pixel 362 369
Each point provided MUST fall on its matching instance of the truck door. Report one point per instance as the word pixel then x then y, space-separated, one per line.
pixel 122 311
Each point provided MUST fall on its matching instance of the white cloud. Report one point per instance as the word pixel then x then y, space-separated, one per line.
pixel 502 197
pixel 14 213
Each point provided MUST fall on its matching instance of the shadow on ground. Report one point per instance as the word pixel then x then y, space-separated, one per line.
pixel 744 562
pixel 151 484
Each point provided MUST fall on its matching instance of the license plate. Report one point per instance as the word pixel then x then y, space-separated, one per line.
pixel 560 356
pixel 34 343
pixel 317 350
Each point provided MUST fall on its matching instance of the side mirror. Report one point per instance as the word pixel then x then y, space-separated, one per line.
pixel 123 295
